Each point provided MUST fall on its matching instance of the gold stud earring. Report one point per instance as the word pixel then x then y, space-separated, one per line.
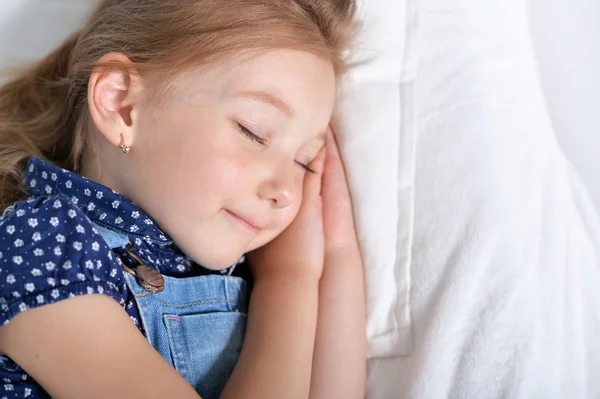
pixel 124 148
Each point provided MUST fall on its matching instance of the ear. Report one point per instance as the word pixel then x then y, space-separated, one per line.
pixel 113 98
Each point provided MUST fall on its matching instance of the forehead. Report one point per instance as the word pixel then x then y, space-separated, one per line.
pixel 302 80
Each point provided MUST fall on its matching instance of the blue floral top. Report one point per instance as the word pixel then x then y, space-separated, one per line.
pixel 50 250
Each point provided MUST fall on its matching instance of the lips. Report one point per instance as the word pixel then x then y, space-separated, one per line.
pixel 247 222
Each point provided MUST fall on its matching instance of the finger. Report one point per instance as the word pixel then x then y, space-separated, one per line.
pixel 333 151
pixel 312 180
pixel 334 166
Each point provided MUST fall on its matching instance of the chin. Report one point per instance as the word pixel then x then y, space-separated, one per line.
pixel 217 261
pixel 214 257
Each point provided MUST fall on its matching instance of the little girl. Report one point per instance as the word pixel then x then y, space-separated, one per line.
pixel 138 163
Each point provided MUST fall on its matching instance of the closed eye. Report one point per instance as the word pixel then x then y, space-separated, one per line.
pixel 251 136
pixel 246 132
pixel 306 167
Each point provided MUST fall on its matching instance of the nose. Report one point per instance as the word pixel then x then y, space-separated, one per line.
pixel 281 189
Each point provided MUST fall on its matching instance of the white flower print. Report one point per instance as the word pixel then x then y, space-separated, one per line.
pixel 53 176
pixel 181 268
pixel 94 230
pixel 20 213
pixel 8 387
pixel 80 229
pixel 134 228
pixel 138 242
pixel 99 194
pixel 48 189
pixel 72 213
pixel 116 204
pixel 87 192
pixel 113 272
pixel 103 216
pixel 64 281
pixel 36 272
pixel 67 265
pixel 95 246
pixel 78 246
pixel 60 238
pixel 44 174
pixel 51 281
pixel 118 220
pixel 91 206
pixel 30 287
pixel 19 243
pixel 89 264
pixel 33 222
pixel 36 236
pixel 110 255
pixel 17 260
pixel 98 264
pixel 90 290
pixel 40 298
pixel 10 279
pixel 74 200
pixel 68 184
pixel 16 294
pixel 27 392
pixel 54 221
pixel 10 229
pixel 57 251
pixel 148 221
pixel 135 214
pixel 57 204
pixel 30 168
pixel 100 289
pixel 38 252
pixel 81 276
pixel 22 307
pixel 95 278
pixel 50 266
pixel 34 210
pixel 32 183
pixel 55 293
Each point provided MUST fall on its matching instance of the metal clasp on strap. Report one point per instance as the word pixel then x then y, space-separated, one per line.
pixel 149 277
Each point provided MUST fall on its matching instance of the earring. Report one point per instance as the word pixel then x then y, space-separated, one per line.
pixel 124 148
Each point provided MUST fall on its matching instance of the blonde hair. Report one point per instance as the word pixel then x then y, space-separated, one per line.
pixel 44 113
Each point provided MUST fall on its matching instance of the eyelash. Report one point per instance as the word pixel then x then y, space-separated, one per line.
pixel 251 136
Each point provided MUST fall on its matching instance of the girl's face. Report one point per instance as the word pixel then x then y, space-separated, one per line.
pixel 219 164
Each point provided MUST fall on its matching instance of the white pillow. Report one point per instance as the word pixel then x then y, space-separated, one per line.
pixel 379 165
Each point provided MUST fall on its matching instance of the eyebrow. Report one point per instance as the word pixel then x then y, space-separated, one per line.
pixel 270 99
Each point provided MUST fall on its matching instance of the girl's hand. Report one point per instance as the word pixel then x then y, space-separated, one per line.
pixel 338 219
pixel 299 250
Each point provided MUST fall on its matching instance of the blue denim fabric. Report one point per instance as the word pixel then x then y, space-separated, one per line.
pixel 197 323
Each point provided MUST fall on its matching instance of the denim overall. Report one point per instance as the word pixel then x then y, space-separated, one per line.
pixel 196 323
